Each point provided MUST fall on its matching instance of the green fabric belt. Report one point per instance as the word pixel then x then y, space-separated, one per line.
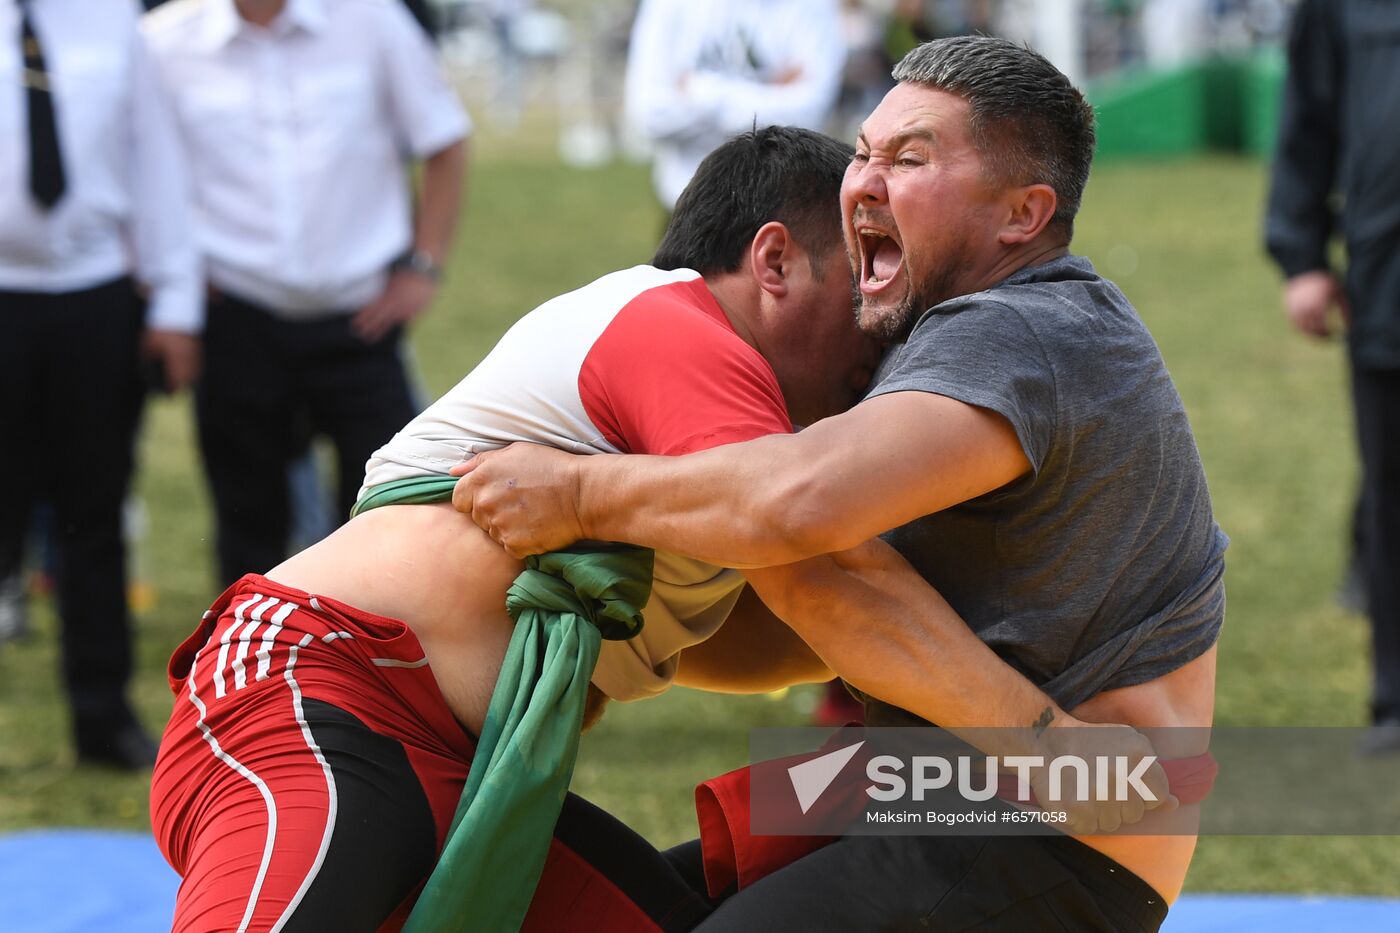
pixel 563 604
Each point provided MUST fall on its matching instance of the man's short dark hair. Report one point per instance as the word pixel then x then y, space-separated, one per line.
pixel 777 173
pixel 1029 124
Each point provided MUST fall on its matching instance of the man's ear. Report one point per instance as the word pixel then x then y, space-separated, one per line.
pixel 771 257
pixel 1030 210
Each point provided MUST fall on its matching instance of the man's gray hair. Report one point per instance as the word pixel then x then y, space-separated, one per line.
pixel 1030 125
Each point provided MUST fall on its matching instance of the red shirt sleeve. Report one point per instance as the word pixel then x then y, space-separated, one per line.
pixel 670 376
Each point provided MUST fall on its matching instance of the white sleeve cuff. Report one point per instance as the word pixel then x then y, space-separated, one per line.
pixel 176 308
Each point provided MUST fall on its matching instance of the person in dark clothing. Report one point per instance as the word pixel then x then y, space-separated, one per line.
pixel 91 207
pixel 1340 135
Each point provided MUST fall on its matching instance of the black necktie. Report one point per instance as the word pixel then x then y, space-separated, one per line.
pixel 46 179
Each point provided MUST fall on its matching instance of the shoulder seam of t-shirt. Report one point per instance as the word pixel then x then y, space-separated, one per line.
pixel 969 394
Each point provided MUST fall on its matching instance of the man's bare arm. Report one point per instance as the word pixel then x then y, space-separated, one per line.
pixel 769 501
pixel 869 615
pixel 440 202
pixel 408 293
pixel 866 614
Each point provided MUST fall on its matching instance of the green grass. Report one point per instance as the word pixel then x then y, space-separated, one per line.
pixel 1271 417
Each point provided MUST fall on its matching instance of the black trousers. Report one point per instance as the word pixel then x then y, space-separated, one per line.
pixel 1000 884
pixel 70 401
pixel 1377 398
pixel 269 385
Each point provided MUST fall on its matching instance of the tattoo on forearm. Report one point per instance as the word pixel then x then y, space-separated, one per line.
pixel 1043 723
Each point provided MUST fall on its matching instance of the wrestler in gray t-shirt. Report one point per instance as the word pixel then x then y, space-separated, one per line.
pixel 1102 568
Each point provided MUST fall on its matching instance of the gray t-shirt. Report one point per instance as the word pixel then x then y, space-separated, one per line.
pixel 1103 567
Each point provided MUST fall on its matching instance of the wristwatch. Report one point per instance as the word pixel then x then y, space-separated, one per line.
pixel 420 263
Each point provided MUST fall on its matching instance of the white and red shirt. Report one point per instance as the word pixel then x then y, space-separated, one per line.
pixel 640 361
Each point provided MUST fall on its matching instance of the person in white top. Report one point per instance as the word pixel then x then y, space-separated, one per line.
pixel 92 205
pixel 699 73
pixel 301 118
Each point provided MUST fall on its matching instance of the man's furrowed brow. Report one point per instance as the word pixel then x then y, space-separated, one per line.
pixel 916 133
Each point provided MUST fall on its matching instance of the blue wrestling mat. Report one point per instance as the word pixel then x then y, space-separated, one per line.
pixel 1281 913
pixel 91 881
pixel 67 880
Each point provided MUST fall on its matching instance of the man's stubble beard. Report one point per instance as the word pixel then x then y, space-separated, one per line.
pixel 893 326
pixel 889 327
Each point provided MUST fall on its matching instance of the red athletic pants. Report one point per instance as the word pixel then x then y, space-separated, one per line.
pixel 310 771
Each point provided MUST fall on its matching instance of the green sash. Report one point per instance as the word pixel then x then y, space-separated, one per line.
pixel 563 604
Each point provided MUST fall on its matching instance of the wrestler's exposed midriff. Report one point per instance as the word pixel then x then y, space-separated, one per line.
pixel 1184 698
pixel 431 568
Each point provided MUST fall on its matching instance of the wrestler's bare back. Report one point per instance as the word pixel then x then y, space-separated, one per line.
pixel 430 567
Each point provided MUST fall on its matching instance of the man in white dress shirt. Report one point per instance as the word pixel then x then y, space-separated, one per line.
pixel 93 195
pixel 301 118
pixel 699 73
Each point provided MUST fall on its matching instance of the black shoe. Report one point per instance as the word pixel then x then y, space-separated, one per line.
pixel 128 748
pixel 1383 738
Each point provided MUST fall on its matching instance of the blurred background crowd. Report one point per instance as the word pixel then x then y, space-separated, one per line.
pixel 570 57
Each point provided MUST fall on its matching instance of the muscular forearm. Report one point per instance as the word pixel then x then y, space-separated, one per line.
pixel 722 506
pixel 441 200
pixel 877 624
pixel 764 502
pixel 880 626
pixel 783 498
